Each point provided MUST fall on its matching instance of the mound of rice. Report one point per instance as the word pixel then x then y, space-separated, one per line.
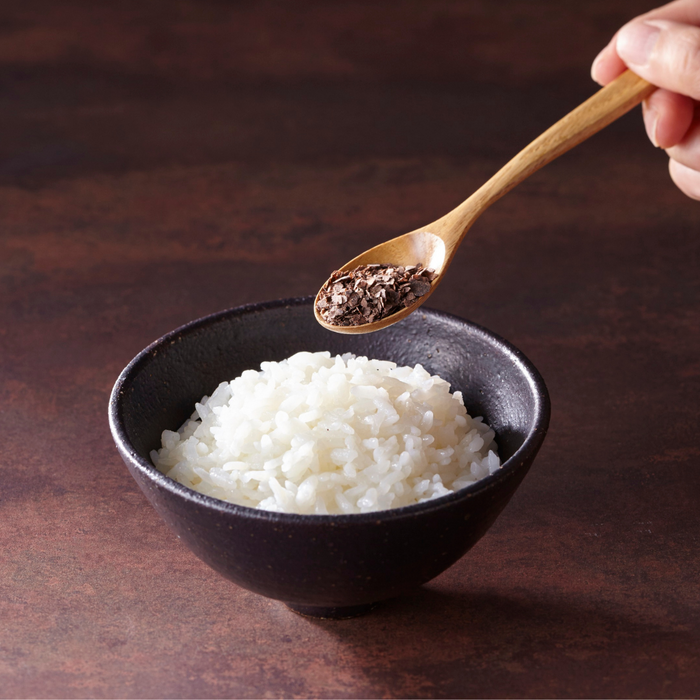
pixel 317 434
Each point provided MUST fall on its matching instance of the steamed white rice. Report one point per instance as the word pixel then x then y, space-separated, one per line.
pixel 317 434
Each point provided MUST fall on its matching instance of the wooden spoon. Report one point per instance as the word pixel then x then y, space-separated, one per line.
pixel 434 245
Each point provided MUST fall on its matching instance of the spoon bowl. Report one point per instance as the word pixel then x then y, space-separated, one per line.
pixel 434 246
pixel 419 247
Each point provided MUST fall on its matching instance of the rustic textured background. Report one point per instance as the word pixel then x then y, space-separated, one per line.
pixel 163 160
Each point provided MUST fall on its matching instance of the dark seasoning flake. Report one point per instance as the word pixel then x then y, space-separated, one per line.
pixel 370 293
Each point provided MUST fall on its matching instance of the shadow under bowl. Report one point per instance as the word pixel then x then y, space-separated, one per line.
pixel 327 565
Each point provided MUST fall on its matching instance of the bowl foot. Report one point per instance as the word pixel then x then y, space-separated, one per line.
pixel 342 612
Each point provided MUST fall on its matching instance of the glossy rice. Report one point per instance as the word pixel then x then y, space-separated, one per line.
pixel 316 434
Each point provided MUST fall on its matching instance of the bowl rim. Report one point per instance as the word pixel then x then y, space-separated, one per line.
pixel 532 441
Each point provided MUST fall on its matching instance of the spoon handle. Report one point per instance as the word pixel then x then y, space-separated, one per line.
pixel 604 107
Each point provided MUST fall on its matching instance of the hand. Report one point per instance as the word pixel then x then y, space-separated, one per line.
pixel 663 47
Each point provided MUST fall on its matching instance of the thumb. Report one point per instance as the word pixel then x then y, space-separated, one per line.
pixel 665 53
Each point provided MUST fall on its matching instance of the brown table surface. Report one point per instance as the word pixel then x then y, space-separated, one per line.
pixel 160 161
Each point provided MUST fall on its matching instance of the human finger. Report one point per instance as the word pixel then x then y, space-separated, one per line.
pixel 687 180
pixel 687 151
pixel 685 11
pixel 665 53
pixel 667 117
pixel 607 64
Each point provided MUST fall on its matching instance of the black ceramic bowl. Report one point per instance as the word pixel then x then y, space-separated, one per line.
pixel 333 565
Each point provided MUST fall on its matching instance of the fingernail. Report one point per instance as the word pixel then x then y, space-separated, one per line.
pixel 651 122
pixel 635 42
